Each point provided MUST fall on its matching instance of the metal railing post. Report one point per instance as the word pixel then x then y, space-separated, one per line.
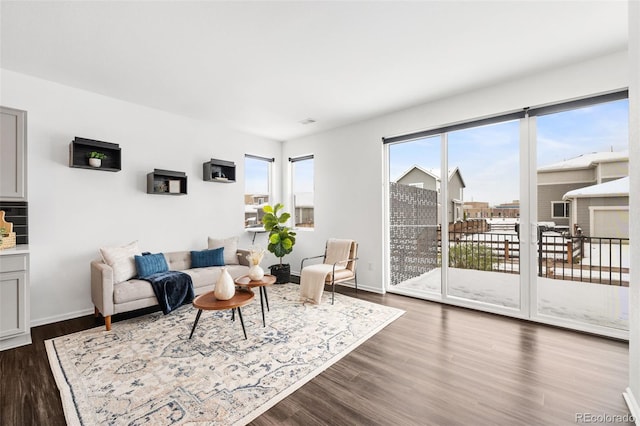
pixel 539 252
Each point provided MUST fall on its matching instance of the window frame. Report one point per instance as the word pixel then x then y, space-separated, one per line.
pixel 292 165
pixel 567 210
pixel 269 162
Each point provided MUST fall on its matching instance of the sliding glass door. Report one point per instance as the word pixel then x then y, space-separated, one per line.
pixel 582 274
pixel 414 217
pixel 483 213
pixel 525 215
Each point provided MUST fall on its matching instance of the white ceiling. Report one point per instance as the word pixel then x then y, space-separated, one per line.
pixel 264 66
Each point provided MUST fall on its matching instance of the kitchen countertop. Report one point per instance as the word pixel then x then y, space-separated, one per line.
pixel 19 249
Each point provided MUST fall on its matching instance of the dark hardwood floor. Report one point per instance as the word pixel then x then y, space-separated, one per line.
pixel 435 365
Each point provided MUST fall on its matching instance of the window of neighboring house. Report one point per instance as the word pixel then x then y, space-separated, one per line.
pixel 559 209
pixel 417 185
pixel 302 191
pixel 257 188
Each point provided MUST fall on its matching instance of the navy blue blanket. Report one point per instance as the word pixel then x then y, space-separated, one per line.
pixel 172 289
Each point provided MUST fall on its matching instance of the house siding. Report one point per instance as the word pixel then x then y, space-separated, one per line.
pixel 549 193
pixel 455 193
pixel 588 176
pixel 417 176
pixel 583 204
pixel 613 170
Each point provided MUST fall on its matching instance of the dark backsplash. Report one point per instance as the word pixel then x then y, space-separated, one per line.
pixel 17 212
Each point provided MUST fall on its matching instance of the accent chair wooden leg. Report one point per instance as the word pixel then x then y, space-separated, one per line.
pixel 107 322
pixel 96 312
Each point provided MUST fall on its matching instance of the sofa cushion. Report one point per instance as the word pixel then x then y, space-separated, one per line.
pixel 121 260
pixel 178 260
pixel 150 264
pixel 206 258
pixel 230 246
pixel 131 290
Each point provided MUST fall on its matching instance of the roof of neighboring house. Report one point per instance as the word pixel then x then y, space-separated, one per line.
pixel 416 167
pixel 434 173
pixel 586 161
pixel 613 188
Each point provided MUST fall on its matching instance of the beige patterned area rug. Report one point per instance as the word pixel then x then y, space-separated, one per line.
pixel 147 371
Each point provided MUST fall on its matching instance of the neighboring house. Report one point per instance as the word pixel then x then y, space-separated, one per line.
pixel 253 204
pixel 477 209
pixel 430 179
pixel 482 210
pixel 556 180
pixel 509 210
pixel 601 210
pixel 303 209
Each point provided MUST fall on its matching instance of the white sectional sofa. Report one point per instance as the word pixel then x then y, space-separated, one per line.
pixel 110 297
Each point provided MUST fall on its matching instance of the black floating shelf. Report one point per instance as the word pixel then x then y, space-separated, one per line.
pixel 166 182
pixel 79 148
pixel 219 171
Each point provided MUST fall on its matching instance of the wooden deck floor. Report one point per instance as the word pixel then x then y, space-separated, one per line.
pixel 435 365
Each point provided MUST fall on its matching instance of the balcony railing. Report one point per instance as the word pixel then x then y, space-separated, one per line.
pixel 574 258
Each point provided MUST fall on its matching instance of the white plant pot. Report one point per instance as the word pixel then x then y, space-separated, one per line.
pixel 95 162
pixel 256 273
pixel 225 287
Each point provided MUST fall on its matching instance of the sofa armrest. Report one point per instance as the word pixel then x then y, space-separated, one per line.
pixel 102 287
pixel 242 257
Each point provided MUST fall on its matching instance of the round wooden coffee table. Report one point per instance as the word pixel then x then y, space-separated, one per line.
pixel 267 280
pixel 209 302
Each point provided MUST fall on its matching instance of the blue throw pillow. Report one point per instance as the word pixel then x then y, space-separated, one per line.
pixel 205 258
pixel 150 264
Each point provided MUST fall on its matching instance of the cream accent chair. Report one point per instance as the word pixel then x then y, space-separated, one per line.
pixel 340 275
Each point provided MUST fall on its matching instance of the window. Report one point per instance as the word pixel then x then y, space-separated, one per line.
pixel 257 188
pixel 302 191
pixel 559 209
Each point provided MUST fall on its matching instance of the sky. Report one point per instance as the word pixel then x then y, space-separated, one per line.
pixel 488 156
pixel 256 179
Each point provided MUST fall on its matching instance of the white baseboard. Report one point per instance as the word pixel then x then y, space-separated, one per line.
pixel 15 342
pixel 350 284
pixel 62 317
pixel 632 403
pixel 365 288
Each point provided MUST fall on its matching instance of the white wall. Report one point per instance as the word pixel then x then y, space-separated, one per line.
pixel 73 212
pixel 349 173
pixel 632 395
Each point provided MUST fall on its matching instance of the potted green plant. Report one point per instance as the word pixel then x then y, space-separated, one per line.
pixel 95 158
pixel 281 240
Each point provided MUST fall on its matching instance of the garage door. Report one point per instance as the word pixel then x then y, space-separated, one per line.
pixel 610 223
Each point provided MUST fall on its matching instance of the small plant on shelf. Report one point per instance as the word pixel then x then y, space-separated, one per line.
pixel 96 154
pixel 95 158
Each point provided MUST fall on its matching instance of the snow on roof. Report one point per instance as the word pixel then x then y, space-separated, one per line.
pixel 586 160
pixel 613 188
